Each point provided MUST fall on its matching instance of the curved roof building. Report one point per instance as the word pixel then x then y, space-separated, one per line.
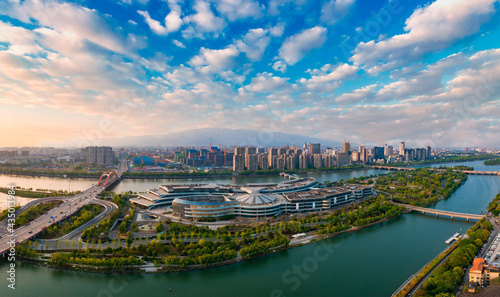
pixel 251 200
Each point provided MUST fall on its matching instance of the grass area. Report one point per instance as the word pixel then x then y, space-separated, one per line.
pixel 27 194
pixel 85 214
pixel 420 187
pixel 35 211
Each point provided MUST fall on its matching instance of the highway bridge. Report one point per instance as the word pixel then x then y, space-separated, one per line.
pixel 69 207
pixel 438 212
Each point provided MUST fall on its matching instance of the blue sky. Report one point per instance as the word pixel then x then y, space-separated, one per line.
pixel 428 72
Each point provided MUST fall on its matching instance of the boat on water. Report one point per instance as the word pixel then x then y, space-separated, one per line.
pixel 451 239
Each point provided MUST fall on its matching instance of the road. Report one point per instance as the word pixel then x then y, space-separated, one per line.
pixel 55 215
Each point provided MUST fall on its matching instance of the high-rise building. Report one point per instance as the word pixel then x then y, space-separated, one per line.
pixel 328 161
pixel 378 153
pixel 428 152
pixel 304 161
pixel 239 150
pixel 355 156
pixel 101 155
pixel 280 163
pixel 272 154
pixel 252 162
pixel 263 162
pixel 388 150
pixel 318 161
pixel 362 154
pixel 343 159
pixel 314 148
pixel 238 162
pixel 346 147
pixel 250 150
pixel 402 148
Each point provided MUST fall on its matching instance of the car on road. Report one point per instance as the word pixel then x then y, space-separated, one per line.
pixel 30 232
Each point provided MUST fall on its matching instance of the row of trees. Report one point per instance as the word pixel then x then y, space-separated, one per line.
pixel 62 260
pixel 494 206
pixel 35 211
pixel 446 278
pixel 492 162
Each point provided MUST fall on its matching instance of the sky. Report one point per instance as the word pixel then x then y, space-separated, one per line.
pixel 76 72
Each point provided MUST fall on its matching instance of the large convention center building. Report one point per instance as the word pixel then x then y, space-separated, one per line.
pixel 251 200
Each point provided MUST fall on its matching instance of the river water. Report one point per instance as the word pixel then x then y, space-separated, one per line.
pixel 370 262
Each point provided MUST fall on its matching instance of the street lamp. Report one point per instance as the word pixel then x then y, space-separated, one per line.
pixel 69 187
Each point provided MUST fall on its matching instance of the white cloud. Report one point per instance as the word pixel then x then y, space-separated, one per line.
pixel 239 9
pixel 204 19
pixel 431 28
pixel 178 43
pixel 335 10
pixel 173 22
pixel 209 60
pixel 357 96
pixel 254 43
pixel 265 83
pixel 21 41
pixel 277 30
pixel 279 66
pixel 329 77
pixel 294 48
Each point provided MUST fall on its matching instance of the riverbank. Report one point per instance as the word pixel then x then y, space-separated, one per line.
pixel 179 268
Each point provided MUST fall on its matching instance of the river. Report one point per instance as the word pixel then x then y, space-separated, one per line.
pixel 370 262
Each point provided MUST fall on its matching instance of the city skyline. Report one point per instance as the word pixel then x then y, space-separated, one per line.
pixel 375 71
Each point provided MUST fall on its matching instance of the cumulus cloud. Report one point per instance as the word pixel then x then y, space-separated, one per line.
pixel 266 82
pixel 173 22
pixel 210 59
pixel 254 43
pixel 329 77
pixel 239 9
pixel 296 47
pixel 335 10
pixel 429 29
pixel 203 20
pixel 178 43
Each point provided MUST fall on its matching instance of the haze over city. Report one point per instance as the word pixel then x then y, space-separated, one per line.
pixel 369 71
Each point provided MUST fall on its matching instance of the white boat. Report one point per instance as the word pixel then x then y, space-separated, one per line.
pixel 454 237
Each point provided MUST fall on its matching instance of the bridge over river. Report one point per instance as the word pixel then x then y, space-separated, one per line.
pixel 438 212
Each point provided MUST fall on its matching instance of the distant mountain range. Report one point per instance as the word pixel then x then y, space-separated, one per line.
pixel 216 136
